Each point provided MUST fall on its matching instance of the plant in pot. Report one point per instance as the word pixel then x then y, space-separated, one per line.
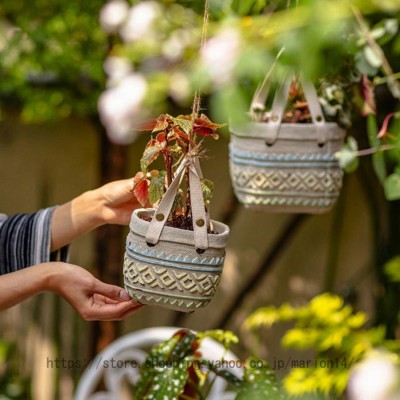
pixel 283 159
pixel 376 97
pixel 174 253
pixel 177 369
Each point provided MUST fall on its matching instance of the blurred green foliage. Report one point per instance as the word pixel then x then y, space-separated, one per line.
pixel 12 385
pixel 52 52
pixel 51 56
pixel 335 333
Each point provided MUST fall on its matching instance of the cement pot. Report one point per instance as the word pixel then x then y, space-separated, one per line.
pixel 172 273
pixel 287 167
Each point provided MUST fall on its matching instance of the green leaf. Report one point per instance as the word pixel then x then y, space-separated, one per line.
pixel 259 382
pixel 348 159
pixel 185 124
pixel 301 338
pixel 264 316
pixel 163 383
pixel 185 345
pixel 226 338
pixel 352 143
pixel 371 56
pixel 378 159
pixel 218 369
pixel 242 7
pixel 179 200
pixel 385 30
pixel 246 7
pixel 162 123
pixel 392 187
pixel 156 188
pixel 207 187
pixel 392 269
pixel 161 377
pixel 151 153
pixel 348 155
pixel 364 66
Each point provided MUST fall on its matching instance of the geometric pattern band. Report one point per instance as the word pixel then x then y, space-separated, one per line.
pixel 295 181
pixel 180 289
pixel 281 201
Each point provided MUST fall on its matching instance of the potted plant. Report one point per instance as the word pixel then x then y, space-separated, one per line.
pixel 176 369
pixel 175 253
pixel 283 160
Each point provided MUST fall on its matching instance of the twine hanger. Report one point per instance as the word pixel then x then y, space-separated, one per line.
pixel 197 97
pixel 191 168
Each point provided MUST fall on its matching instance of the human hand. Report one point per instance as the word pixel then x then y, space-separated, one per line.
pixel 117 201
pixel 91 298
pixel 112 203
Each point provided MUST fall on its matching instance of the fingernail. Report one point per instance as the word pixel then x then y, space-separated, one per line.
pixel 123 295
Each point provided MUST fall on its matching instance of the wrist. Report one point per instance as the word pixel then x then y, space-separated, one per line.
pixel 91 207
pixel 53 276
pixel 50 276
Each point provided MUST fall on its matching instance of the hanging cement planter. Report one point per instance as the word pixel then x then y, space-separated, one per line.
pixel 170 267
pixel 286 167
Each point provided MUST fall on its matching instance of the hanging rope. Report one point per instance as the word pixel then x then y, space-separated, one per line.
pixel 197 98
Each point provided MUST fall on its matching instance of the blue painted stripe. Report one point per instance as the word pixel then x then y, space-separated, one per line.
pixel 164 293
pixel 179 259
pixel 258 192
pixel 285 164
pixel 254 155
pixel 165 263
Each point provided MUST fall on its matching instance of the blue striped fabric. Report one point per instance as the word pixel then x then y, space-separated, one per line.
pixel 25 240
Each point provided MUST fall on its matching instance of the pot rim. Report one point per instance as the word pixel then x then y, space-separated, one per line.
pixel 139 227
pixel 287 131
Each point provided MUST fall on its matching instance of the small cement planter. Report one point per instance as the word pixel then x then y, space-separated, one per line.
pixel 171 273
pixel 286 167
pixel 295 174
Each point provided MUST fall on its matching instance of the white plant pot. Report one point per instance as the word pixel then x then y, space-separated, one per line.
pixel 294 174
pixel 171 273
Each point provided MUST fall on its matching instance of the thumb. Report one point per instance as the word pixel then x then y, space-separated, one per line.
pixel 111 291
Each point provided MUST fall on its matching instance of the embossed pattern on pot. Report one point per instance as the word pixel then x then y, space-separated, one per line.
pixel 293 175
pixel 171 274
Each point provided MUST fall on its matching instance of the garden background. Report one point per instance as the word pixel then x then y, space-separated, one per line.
pixel 53 147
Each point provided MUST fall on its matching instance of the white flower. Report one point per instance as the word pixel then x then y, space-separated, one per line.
pixel 120 108
pixel 113 14
pixel 140 20
pixel 172 48
pixel 177 42
pixel 117 68
pixel 219 55
pixel 375 378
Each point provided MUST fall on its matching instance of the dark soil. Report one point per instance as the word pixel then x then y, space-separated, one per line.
pixel 179 222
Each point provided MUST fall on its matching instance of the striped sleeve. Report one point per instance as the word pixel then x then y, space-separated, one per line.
pixel 25 240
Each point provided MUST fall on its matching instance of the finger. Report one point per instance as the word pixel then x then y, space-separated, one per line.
pixel 110 312
pixel 100 299
pixel 111 291
pixel 130 312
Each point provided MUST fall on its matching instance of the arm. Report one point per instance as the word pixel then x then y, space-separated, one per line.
pixel 110 204
pixel 91 298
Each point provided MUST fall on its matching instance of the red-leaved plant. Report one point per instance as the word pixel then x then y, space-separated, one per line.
pixel 171 140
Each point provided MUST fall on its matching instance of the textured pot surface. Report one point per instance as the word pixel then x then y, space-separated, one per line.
pixel 294 174
pixel 171 273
